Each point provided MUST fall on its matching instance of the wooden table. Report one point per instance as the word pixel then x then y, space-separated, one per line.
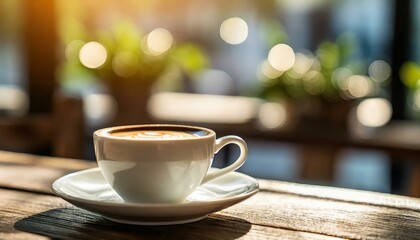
pixel 281 210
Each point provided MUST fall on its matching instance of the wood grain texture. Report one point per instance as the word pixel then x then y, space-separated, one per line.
pixel 280 209
pixel 35 173
pixel 25 214
pixel 329 217
pixel 29 178
pixel 54 162
pixel 341 194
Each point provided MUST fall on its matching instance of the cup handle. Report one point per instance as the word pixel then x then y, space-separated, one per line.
pixel 220 143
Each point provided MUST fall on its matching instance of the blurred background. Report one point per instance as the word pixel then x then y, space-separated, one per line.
pixel 325 92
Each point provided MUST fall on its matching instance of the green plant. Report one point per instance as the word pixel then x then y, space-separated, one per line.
pixel 331 73
pixel 125 53
pixel 410 76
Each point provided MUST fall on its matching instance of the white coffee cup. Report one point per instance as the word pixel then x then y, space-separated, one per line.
pixel 160 163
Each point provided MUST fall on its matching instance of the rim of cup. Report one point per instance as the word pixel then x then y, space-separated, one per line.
pixel 107 132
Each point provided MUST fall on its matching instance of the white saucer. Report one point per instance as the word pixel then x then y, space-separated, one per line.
pixel 88 189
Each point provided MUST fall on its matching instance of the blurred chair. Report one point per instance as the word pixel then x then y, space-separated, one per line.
pixel 59 132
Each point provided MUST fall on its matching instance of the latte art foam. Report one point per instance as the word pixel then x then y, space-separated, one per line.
pixel 150 135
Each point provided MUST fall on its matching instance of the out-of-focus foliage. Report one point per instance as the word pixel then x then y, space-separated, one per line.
pixel 410 75
pixel 331 72
pixel 127 55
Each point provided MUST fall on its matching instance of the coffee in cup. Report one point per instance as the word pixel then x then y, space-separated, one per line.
pixel 152 134
pixel 160 163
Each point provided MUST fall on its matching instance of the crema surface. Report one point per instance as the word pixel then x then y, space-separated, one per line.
pixel 153 134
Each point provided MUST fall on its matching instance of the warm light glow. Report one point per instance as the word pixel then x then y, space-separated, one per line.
pixel 314 82
pixel 358 86
pixel 234 30
pixel 99 108
pixel 379 71
pixel 13 100
pixel 281 57
pixel 202 108
pixel 72 50
pixel 340 77
pixel 302 63
pixel 159 41
pixel 125 64
pixel 374 112
pixel 272 115
pixel 92 55
pixel 268 71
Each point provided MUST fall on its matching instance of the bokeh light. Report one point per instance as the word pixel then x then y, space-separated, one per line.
pixel 73 49
pixel 159 41
pixel 93 55
pixel 374 112
pixel 99 108
pixel 358 86
pixel 125 64
pixel 379 71
pixel 205 108
pixel 281 57
pixel 302 63
pixel 410 75
pixel 234 30
pixel 272 115
pixel 13 100
pixel 268 71
pixel 213 81
pixel 340 78
pixel 314 82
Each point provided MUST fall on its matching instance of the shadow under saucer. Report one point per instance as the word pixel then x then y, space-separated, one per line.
pixel 75 223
